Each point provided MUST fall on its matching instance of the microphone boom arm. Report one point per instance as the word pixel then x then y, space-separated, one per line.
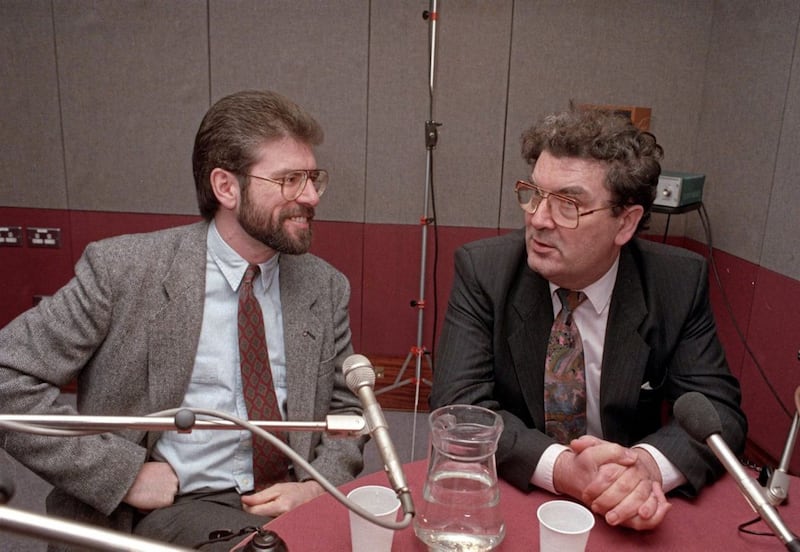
pixel 184 421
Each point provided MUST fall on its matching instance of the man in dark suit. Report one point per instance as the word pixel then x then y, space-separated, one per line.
pixel 646 330
pixel 149 322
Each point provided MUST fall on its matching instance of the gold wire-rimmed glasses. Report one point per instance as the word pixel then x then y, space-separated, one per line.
pixel 294 182
pixel 564 210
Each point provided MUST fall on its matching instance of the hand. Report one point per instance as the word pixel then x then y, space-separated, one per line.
pixel 280 498
pixel 155 487
pixel 629 495
pixel 575 469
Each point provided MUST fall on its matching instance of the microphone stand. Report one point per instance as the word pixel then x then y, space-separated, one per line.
pixel 177 419
pixel 778 485
pixel 431 139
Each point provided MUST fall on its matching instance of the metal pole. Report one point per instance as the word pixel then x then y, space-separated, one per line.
pixel 431 139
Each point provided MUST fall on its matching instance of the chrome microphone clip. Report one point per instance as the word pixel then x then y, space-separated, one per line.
pixel 777 488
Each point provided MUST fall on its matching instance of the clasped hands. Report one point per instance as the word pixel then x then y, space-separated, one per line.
pixel 622 484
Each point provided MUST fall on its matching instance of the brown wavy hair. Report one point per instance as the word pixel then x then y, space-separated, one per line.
pixel 235 127
pixel 632 155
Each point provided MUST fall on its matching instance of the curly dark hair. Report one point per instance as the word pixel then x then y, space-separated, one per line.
pixel 235 127
pixel 632 155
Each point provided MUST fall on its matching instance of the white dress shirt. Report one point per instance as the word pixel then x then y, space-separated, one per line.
pixel 591 317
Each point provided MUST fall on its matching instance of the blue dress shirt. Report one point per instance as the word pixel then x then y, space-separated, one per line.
pixel 208 460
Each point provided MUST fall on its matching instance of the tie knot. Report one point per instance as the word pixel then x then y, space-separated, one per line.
pixel 251 274
pixel 570 299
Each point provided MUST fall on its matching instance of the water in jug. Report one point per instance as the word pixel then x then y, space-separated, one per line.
pixel 461 499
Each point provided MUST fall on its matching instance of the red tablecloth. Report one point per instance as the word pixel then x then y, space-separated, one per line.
pixel 708 523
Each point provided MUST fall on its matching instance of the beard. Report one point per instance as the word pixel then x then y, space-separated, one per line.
pixel 270 231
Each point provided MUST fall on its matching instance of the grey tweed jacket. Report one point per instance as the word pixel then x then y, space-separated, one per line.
pixel 127 327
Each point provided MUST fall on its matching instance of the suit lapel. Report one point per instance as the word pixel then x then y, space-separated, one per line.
pixel 302 336
pixel 531 318
pixel 175 329
pixel 625 352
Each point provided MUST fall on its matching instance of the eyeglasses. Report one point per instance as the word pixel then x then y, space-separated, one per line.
pixel 294 182
pixel 563 209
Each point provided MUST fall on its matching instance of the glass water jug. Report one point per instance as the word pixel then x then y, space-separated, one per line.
pixel 461 499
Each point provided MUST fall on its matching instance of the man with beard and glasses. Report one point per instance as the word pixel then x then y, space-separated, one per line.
pixel 582 336
pixel 153 321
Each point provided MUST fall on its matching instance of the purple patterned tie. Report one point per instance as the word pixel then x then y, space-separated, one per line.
pixel 564 375
pixel 269 463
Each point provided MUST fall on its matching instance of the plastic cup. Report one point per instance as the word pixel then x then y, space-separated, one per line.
pixel 564 526
pixel 381 502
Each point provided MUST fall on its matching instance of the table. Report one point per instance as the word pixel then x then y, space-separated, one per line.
pixel 669 211
pixel 706 523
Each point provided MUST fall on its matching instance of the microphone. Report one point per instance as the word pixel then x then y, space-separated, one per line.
pixel 360 378
pixel 700 420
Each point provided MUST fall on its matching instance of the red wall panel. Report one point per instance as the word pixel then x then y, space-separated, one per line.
pixel 774 338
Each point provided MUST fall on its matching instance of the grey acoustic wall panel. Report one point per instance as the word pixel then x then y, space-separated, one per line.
pixel 614 52
pixel 133 80
pixel 752 45
pixel 781 244
pixel 468 92
pixel 398 108
pixel 472 76
pixel 31 158
pixel 315 53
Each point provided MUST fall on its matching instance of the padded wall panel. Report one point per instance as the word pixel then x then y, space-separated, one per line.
pixel 133 81
pixel 746 83
pixel 606 53
pixel 781 250
pixel 342 245
pixel 315 53
pixel 774 336
pixel 469 90
pixel 90 226
pixel 470 102
pixel 31 160
pixel 27 271
pixel 621 53
pixel 732 289
pixel 392 268
pixel 398 108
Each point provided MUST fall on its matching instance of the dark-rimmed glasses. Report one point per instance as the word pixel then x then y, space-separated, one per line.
pixel 563 209
pixel 294 182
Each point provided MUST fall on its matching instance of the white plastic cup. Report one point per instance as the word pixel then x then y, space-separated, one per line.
pixel 564 526
pixel 381 502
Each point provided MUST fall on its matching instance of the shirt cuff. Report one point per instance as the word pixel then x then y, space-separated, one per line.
pixel 671 477
pixel 543 474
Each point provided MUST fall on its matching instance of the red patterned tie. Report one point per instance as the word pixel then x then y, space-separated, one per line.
pixel 269 463
pixel 565 377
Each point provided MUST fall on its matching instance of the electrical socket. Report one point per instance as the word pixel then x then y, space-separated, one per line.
pixel 11 236
pixel 44 237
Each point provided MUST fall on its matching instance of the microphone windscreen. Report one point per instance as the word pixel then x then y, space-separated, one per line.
pixel 358 371
pixel 697 416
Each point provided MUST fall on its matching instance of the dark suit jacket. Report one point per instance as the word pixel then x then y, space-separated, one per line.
pixel 660 342
pixel 127 327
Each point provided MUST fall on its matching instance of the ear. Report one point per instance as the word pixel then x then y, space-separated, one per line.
pixel 628 222
pixel 226 188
